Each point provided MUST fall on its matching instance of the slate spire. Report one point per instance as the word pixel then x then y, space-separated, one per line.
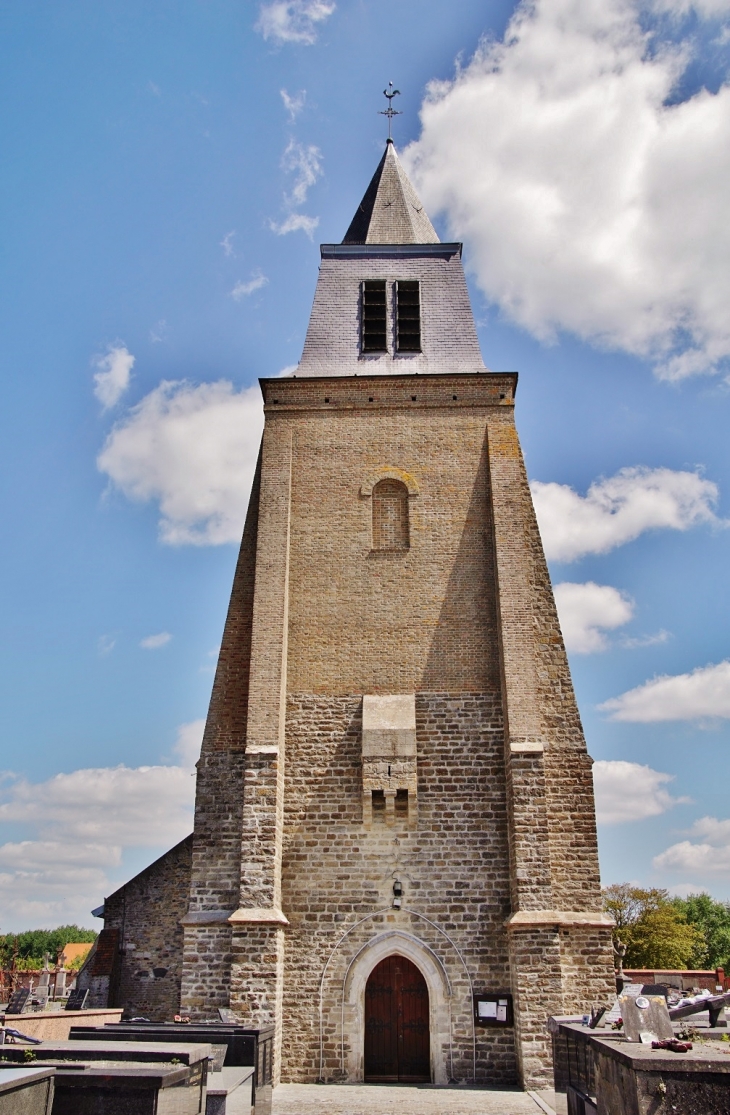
pixel 391 211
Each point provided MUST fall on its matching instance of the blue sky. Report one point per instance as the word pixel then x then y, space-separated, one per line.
pixel 168 172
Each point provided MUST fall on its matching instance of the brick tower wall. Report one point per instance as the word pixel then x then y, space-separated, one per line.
pixel 422 621
pixel 465 619
pixel 426 621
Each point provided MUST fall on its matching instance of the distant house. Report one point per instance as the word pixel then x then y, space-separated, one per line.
pixel 73 954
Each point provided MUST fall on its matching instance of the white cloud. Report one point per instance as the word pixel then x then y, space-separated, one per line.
pixel 293 103
pixel 80 825
pixel 683 890
pixel 154 642
pixel 634 641
pixel 295 222
pixel 189 738
pixel 293 21
pixel 618 509
pixel 709 857
pixel 630 792
pixel 112 379
pixel 105 805
pixel 193 450
pixel 707 8
pixel 702 695
pixel 105 645
pixel 587 611
pixel 242 290
pixel 227 243
pixel 305 162
pixel 590 202
pixel 157 333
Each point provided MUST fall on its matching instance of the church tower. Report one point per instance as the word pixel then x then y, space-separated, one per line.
pixel 394 859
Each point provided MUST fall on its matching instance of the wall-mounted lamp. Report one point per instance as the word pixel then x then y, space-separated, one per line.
pixel 397 894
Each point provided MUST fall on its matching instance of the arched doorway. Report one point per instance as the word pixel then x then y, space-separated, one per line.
pixel 397 1038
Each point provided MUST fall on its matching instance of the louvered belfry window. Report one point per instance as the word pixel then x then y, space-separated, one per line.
pixel 374 316
pixel 390 516
pixel 408 315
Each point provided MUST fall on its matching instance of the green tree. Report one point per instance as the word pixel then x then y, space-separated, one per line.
pixel 656 933
pixel 712 919
pixel 30 947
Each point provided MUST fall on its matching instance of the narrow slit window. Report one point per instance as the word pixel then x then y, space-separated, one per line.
pixel 379 806
pixel 401 803
pixel 390 516
pixel 408 315
pixel 374 316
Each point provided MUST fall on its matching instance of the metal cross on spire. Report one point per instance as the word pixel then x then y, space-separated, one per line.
pixel 390 112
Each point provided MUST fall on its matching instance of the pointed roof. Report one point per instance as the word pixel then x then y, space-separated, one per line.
pixel 390 212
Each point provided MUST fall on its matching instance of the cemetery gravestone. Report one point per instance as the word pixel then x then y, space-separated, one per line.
pixel 18 1000
pixel 646 1018
pixel 77 999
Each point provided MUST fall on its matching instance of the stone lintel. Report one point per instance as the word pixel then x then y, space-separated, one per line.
pixel 262 749
pixel 206 917
pixel 533 919
pixel 526 746
pixel 258 915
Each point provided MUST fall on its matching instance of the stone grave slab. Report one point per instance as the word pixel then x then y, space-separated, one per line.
pixel 150 1052
pixel 26 1091
pixel 227 1084
pixel 126 1087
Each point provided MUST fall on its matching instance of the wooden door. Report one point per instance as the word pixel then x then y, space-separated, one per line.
pixel 397 1037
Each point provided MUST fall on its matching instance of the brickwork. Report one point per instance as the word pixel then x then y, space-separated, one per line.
pixel 151 946
pixel 207 959
pixel 378 622
pixel 390 515
pixel 454 869
pixel 586 962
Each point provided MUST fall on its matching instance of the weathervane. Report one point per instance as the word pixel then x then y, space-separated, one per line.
pixel 390 112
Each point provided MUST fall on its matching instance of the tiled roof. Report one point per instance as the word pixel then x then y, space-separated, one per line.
pixel 391 211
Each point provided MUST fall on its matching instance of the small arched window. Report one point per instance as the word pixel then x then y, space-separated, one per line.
pixel 390 515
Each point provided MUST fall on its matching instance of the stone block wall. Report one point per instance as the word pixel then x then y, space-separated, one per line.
pixel 454 869
pixel 146 914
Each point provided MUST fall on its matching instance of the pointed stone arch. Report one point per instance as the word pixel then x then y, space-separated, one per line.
pixel 395 942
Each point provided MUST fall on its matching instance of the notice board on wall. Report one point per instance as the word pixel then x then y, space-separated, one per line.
pixel 493 1009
